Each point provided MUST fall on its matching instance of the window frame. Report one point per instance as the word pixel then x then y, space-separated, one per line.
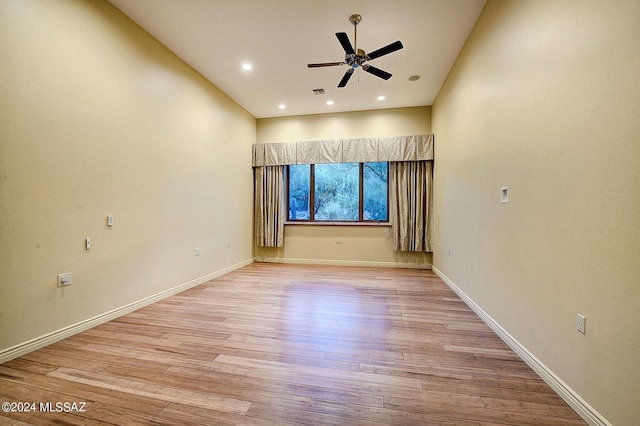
pixel 342 222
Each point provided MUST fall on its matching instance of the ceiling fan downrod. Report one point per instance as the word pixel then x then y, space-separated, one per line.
pixel 355 20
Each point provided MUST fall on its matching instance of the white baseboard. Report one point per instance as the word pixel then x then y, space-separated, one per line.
pixel 579 405
pixel 338 262
pixel 47 339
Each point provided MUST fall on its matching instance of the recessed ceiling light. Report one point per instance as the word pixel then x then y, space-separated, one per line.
pixel 329 102
pixel 282 106
pixel 381 98
pixel 247 66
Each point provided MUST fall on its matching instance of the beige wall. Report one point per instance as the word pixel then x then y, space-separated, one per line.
pixel 359 245
pixel 545 98
pixel 98 118
pixel 360 124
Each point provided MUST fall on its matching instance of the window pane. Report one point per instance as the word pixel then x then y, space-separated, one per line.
pixel 337 191
pixel 299 192
pixel 376 176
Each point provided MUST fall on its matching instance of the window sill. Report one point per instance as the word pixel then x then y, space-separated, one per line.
pixel 336 223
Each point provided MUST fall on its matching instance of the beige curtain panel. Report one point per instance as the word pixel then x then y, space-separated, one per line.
pixel 410 205
pixel 269 205
pixel 396 148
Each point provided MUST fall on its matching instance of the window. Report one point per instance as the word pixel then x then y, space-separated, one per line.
pixel 341 192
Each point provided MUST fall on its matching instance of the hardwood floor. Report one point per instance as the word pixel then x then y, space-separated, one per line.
pixel 274 344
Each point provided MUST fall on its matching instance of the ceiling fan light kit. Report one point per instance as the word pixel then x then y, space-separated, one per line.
pixel 356 58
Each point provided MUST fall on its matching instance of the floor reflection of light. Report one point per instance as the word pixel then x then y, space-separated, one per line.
pixel 333 317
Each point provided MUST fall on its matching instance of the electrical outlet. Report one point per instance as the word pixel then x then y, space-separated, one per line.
pixel 580 323
pixel 196 252
pixel 64 279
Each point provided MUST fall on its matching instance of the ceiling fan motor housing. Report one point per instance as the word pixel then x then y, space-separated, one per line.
pixel 356 60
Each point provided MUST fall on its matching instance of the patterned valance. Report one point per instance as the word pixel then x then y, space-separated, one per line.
pixel 395 148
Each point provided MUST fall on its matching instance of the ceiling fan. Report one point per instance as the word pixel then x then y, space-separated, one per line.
pixel 355 57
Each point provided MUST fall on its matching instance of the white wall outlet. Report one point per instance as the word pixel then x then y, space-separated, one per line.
pixel 87 243
pixel 338 240
pixel 109 220
pixel 504 195
pixel 196 252
pixel 64 279
pixel 580 323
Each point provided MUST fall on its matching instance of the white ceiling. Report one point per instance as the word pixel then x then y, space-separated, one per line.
pixel 280 37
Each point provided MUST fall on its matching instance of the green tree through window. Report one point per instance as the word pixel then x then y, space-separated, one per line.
pixel 375 191
pixel 299 192
pixel 354 192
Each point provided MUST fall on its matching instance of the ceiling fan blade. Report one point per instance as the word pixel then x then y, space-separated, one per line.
pixel 386 50
pixel 377 72
pixel 325 64
pixel 343 38
pixel 345 78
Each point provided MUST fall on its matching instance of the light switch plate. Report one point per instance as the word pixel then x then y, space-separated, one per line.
pixel 581 323
pixel 504 195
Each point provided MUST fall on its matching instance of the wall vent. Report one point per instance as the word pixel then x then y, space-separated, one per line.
pixel 318 91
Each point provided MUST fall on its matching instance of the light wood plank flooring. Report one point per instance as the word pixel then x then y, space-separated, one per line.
pixel 273 344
